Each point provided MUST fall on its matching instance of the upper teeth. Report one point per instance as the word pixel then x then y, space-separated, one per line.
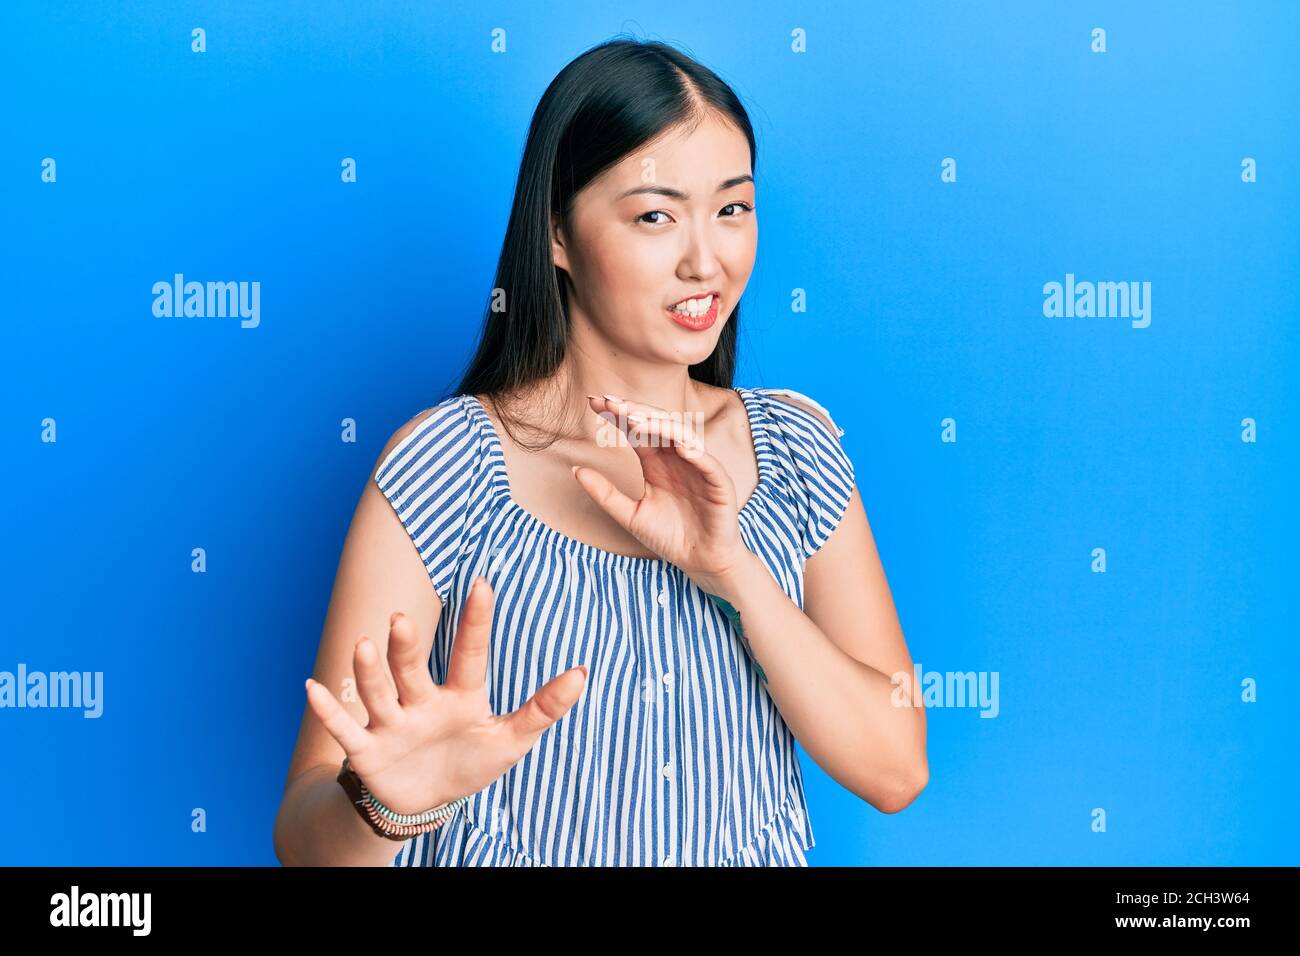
pixel 694 306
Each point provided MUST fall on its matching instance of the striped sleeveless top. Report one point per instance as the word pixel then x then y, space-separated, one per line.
pixel 675 754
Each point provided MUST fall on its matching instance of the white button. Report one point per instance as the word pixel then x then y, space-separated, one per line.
pixel 668 678
pixel 668 770
pixel 667 861
pixel 663 598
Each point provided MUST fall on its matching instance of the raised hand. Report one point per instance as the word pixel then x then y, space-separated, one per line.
pixel 425 743
pixel 687 514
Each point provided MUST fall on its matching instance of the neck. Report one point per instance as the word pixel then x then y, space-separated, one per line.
pixel 594 365
pixel 668 386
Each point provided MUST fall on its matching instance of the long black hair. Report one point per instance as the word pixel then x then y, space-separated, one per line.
pixel 609 101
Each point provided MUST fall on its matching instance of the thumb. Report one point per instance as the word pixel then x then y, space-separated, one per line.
pixel 551 702
pixel 602 491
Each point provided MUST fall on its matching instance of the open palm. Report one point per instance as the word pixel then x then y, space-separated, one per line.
pixel 427 744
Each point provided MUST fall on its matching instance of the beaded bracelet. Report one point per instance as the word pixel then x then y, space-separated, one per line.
pixel 734 617
pixel 385 821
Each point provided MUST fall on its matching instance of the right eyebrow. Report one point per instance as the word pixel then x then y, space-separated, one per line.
pixel 677 194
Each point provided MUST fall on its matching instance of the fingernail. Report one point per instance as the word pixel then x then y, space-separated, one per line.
pixel 613 398
pixel 584 670
pixel 593 396
pixel 309 683
pixel 574 469
pixel 393 620
pixel 635 418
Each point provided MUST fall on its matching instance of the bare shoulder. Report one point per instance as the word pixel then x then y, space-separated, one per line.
pixel 404 432
pixel 408 428
pixel 815 410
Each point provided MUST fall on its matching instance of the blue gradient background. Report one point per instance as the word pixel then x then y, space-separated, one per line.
pixel 1118 690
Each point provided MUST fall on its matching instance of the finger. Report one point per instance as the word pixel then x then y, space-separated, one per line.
pixel 610 431
pixel 469 652
pixel 409 661
pixel 717 486
pixel 603 403
pixel 617 410
pixel 621 413
pixel 343 727
pixel 623 406
pixel 602 491
pixel 551 702
pixel 663 431
pixel 377 692
pixel 684 441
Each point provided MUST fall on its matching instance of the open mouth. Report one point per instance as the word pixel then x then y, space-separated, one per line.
pixel 696 313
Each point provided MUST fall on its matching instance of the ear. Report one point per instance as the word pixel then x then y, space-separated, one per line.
pixel 558 253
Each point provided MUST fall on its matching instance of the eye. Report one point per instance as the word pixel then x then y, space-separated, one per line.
pixel 743 206
pixel 652 212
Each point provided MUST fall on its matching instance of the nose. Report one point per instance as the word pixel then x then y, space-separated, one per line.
pixel 699 259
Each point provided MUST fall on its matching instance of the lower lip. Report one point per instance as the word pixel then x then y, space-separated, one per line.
pixel 696 323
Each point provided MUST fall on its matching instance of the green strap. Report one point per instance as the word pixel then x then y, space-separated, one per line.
pixel 734 617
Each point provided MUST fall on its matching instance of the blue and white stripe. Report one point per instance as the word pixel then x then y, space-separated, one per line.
pixel 674 755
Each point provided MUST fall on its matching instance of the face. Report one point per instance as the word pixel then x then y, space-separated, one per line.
pixel 672 220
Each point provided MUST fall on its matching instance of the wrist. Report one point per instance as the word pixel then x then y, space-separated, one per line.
pixel 383 820
pixel 739 579
pixel 744 581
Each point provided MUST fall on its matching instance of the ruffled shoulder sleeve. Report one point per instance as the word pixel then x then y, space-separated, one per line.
pixel 822 478
pixel 430 478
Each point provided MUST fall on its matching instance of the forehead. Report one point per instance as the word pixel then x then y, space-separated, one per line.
pixel 692 158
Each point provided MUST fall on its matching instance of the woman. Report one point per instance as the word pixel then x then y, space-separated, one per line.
pixel 635 651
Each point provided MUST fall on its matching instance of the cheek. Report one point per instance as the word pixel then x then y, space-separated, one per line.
pixel 747 243
pixel 630 273
pixel 738 255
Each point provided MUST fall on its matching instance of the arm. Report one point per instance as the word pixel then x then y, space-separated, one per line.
pixel 829 667
pixel 379 572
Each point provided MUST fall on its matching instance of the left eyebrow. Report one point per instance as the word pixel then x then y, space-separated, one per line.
pixel 678 194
